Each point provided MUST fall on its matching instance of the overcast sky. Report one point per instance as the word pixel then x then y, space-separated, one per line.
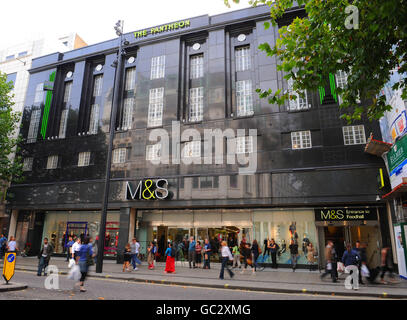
pixel 24 20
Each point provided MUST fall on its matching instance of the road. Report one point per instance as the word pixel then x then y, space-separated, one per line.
pixel 110 289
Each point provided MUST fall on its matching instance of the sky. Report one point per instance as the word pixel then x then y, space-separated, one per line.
pixel 25 20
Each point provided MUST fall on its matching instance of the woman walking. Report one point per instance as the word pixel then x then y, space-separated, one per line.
pixel 255 253
pixel 294 253
pixel 152 249
pixel 198 250
pixel 247 257
pixel 170 263
pixel 226 256
pixel 85 260
pixel 311 253
pixel 127 257
pixel 236 257
pixel 273 250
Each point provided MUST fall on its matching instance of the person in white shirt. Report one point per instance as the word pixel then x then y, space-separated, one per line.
pixel 12 245
pixel 75 249
pixel 226 256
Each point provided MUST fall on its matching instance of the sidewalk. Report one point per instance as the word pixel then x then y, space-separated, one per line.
pixel 281 280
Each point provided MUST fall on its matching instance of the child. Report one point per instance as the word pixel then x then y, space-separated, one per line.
pixel 127 257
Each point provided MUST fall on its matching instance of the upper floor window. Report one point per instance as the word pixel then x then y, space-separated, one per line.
pixel 354 135
pixel 130 79
pixel 155 108
pixel 244 101
pixel 94 119
pixel 52 162
pixel 22 53
pixel 341 79
pixel 67 91
pixel 97 85
pixel 299 103
pixel 196 104
pixel 28 164
pixel 119 155
pixel 10 57
pixel 192 149
pixel 242 57
pixel 84 159
pixel 39 93
pixel 196 66
pixel 244 144
pixel 153 152
pixel 208 182
pixel 34 125
pixel 128 102
pixel 157 67
pixel 301 140
pixel 63 123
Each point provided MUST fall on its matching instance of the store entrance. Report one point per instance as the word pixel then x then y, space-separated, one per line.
pixel 337 236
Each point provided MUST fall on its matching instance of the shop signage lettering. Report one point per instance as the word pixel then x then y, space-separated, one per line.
pixel 147 189
pixel 164 28
pixel 397 156
pixel 342 214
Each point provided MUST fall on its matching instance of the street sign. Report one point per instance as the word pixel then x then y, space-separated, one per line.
pixel 9 264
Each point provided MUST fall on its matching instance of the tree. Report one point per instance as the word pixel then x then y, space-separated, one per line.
pixel 10 165
pixel 366 39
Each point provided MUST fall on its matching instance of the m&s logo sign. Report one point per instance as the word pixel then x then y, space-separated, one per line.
pixel 148 189
pixel 332 214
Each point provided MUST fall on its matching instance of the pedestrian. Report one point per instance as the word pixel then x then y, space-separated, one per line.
pixel 12 245
pixel 3 245
pixel 386 265
pixel 255 254
pixel 95 248
pixel 207 249
pixel 236 257
pixel 170 262
pixel 180 251
pixel 191 252
pixel 247 257
pixel 198 252
pixel 273 250
pixel 63 242
pixel 85 255
pixel 330 261
pixel 311 253
pixel 44 256
pixel 363 258
pixel 75 250
pixel 127 254
pixel 135 249
pixel 152 249
pixel 68 247
pixel 294 253
pixel 226 257
pixel 351 260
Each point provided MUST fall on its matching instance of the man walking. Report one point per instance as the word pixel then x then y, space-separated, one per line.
pixel 294 253
pixel 44 256
pixel 69 245
pixel 3 245
pixel 135 248
pixel 330 257
pixel 75 250
pixel 191 252
pixel 207 254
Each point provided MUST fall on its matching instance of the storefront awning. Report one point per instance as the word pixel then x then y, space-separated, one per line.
pixel 397 191
pixel 377 147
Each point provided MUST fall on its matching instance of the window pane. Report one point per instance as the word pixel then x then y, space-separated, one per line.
pixel 94 119
pixel 196 104
pixel 155 108
pixel 242 57
pixel 196 66
pixel 34 125
pixel 244 103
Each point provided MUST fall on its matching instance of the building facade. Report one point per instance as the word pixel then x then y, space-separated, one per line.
pixel 15 61
pixel 306 177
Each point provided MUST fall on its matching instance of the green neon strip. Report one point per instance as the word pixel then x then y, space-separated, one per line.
pixel 333 87
pixel 48 101
pixel 321 93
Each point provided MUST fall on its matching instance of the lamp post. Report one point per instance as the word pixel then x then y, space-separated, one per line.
pixel 116 95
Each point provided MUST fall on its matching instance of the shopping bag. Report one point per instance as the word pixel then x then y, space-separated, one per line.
pixel 329 266
pixel 341 267
pixel 365 271
pixel 71 263
pixel 74 273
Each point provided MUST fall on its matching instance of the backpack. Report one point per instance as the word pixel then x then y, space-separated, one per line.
pixel 173 251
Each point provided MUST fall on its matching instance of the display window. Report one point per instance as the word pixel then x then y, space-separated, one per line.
pixel 59 225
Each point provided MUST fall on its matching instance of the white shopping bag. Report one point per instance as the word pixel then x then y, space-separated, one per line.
pixel 75 273
pixel 329 266
pixel 71 263
pixel 365 271
pixel 341 267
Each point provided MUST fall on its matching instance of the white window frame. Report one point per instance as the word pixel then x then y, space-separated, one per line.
pixel 28 164
pixel 196 96
pixel 192 149
pixel 196 63
pixel 155 107
pixel 301 140
pixel 130 83
pixel 244 98
pixel 67 91
pixel 119 155
pixel 157 67
pixel 244 144
pixel 353 135
pixel 63 123
pixel 97 85
pixel 34 125
pixel 153 152
pixel 84 159
pixel 299 103
pixel 94 119
pixel 39 93
pixel 242 57
pixel 52 162
pixel 341 80
pixel 127 120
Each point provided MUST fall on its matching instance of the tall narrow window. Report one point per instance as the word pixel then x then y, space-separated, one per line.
pixel 155 108
pixel 52 162
pixel 244 101
pixel 341 81
pixel 354 135
pixel 34 125
pixel 119 155
pixel 94 119
pixel 299 103
pixel 196 104
pixel 128 103
pixel 196 66
pixel 242 56
pixel 301 140
pixel 64 113
pixel 83 159
pixel 39 94
pixel 97 85
pixel 157 67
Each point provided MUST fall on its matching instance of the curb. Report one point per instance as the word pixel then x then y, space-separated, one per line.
pixel 12 287
pixel 228 286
